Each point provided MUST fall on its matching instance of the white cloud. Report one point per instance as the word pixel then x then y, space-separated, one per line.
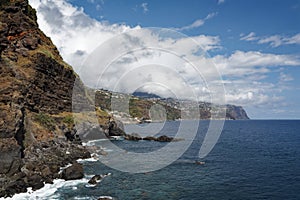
pixel 145 7
pixel 285 77
pixel 249 37
pixel 249 61
pixel 76 35
pixel 221 1
pixel 293 40
pixel 72 31
pixel 198 22
pixel 273 40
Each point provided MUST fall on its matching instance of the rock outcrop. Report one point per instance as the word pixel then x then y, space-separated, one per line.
pixel 37 132
pixel 162 138
pixel 75 171
pixel 236 112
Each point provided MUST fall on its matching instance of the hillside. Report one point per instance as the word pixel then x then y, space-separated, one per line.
pixel 37 131
pixel 141 105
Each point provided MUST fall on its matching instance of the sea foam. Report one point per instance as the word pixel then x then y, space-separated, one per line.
pixel 48 191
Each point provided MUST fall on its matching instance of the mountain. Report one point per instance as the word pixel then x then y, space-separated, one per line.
pixel 139 108
pixel 146 95
pixel 37 128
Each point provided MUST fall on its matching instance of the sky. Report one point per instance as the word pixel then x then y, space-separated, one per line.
pixel 251 48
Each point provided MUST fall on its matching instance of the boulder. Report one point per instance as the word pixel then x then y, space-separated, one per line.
pixel 133 137
pixel 164 138
pixel 30 43
pixel 95 179
pixel 105 198
pixel 36 182
pixel 73 172
pixel 149 138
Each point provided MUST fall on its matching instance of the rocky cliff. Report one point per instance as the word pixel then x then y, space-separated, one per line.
pixel 37 134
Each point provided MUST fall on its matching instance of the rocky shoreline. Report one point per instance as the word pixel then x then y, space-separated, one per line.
pixel 163 138
pixel 42 164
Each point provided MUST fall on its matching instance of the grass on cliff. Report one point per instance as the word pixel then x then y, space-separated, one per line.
pixel 45 120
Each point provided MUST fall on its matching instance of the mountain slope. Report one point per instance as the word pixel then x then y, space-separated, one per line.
pixel 37 131
pixel 141 105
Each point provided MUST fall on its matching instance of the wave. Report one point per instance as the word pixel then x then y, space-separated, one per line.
pixel 94 158
pixel 48 191
pixel 92 142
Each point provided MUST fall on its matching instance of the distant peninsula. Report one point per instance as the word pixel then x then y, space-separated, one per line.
pixel 141 102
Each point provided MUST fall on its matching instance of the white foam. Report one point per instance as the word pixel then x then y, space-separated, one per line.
pixel 90 185
pixel 65 167
pixel 107 197
pixel 47 192
pixel 82 198
pixel 94 158
pixel 92 142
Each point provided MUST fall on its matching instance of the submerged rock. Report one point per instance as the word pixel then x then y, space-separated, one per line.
pixel 200 162
pixel 133 137
pixel 95 179
pixel 163 138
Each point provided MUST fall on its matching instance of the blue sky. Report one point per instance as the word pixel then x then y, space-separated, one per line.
pixel 255 44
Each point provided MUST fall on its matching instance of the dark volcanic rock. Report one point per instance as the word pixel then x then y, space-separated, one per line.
pixel 150 138
pixel 35 93
pixel 35 181
pixel 163 138
pixel 133 137
pixel 235 112
pixel 114 129
pixel 10 156
pixel 105 198
pixel 73 172
pixel 95 179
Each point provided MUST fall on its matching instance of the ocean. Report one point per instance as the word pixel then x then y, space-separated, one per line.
pixel 253 159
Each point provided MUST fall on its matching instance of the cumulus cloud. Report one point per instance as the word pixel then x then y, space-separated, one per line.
pixel 74 33
pixel 161 60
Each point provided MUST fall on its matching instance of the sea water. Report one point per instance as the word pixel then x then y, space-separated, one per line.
pixel 253 159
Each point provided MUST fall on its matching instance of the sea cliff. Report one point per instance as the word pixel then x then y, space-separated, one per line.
pixel 37 132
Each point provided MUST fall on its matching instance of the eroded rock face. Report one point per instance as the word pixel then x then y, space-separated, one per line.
pixel 35 83
pixel 10 156
pixel 236 112
pixel 50 90
pixel 37 134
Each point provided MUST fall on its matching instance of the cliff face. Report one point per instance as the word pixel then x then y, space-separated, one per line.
pixel 236 112
pixel 35 103
pixel 140 105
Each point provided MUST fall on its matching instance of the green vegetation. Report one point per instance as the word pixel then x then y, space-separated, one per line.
pixel 45 120
pixel 138 107
pixel 69 119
